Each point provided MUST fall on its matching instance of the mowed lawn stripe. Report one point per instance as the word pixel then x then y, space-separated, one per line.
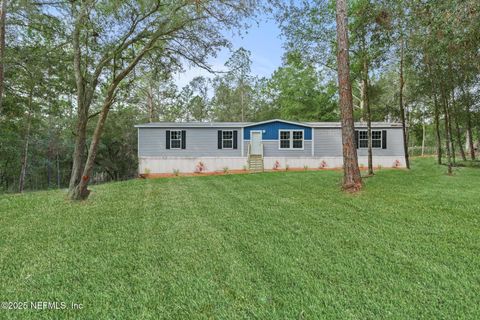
pixel 275 245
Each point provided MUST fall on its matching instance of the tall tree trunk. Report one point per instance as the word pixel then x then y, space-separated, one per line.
pixel 23 170
pixel 402 109
pixel 150 104
pixel 478 138
pixel 82 104
pixel 81 192
pixel 423 137
pixel 450 135
pixel 438 138
pixel 433 88
pixel 467 144
pixel 352 181
pixel 467 99
pixel 49 172
pixel 368 114
pixel 459 137
pixel 437 129
pixel 80 145
pixel 58 171
pixel 243 108
pixel 448 141
pixel 3 15
pixel 458 132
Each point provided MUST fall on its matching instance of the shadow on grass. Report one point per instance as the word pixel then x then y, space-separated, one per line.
pixel 468 164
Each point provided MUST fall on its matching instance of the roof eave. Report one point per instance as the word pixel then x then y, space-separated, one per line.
pixel 277 120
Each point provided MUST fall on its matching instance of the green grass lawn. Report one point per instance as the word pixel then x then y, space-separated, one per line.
pixel 468 163
pixel 286 245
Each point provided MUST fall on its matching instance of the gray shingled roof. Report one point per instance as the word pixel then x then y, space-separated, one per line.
pixel 192 124
pixel 245 124
pixel 357 124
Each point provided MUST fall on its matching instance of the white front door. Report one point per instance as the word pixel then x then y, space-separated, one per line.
pixel 256 142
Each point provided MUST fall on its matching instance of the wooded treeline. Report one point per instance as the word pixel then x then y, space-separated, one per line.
pixel 76 76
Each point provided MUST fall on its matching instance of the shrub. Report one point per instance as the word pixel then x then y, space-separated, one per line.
pixel 276 165
pixel 200 167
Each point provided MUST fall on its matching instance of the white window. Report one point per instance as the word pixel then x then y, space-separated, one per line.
pixel 291 139
pixel 176 139
pixel 376 139
pixel 284 139
pixel 227 139
pixel 363 139
pixel 297 139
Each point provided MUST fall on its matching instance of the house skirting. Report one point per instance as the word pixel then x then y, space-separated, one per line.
pixel 211 164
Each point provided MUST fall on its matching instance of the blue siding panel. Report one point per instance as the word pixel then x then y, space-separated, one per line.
pixel 270 130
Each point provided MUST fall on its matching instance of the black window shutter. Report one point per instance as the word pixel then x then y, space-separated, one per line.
pixel 356 139
pixel 184 139
pixel 235 137
pixel 384 139
pixel 167 143
pixel 219 141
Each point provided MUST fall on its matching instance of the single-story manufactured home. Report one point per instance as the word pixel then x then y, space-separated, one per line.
pixel 167 147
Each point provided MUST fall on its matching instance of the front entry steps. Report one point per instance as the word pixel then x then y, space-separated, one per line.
pixel 255 163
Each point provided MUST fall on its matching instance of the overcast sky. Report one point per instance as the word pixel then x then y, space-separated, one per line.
pixel 264 43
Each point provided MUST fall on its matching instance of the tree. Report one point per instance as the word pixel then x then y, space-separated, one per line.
pixel 232 90
pixel 117 152
pixel 36 86
pixel 47 108
pixel 402 107
pixel 188 31
pixel 3 16
pixel 370 31
pixel 154 90
pixel 194 96
pixel 95 51
pixel 239 65
pixel 308 28
pixel 297 92
pixel 352 180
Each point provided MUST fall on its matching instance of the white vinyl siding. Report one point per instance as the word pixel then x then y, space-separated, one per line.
pixel 202 142
pixel 328 143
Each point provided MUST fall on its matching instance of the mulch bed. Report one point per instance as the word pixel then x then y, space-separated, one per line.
pixel 222 173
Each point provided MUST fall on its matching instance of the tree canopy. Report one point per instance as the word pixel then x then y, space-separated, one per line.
pixel 75 76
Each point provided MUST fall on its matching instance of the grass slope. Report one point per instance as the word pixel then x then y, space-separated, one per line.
pixel 284 245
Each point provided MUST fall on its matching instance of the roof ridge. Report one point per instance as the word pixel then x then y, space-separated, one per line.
pixel 202 124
